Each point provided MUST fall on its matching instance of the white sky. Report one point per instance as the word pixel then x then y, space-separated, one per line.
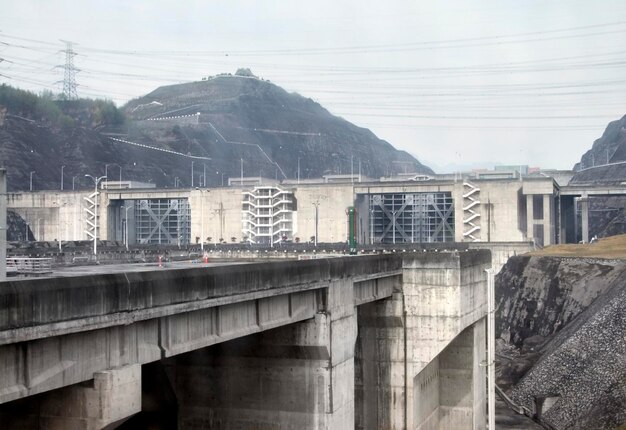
pixel 454 82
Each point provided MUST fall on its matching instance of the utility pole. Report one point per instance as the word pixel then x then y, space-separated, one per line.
pixel 192 173
pixel 62 167
pixel 69 72
pixel 241 180
pixel 316 204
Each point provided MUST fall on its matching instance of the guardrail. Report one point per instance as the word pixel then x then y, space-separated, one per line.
pixel 29 265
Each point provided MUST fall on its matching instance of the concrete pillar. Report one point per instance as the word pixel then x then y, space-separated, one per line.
pixel 379 365
pixel 548 219
pixel 530 220
pixel 3 224
pixel 107 401
pixel 299 376
pixel 462 388
pixel 584 218
pixel 444 293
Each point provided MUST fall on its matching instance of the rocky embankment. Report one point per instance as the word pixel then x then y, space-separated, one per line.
pixel 562 326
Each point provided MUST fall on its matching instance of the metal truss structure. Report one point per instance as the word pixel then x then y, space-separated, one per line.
pixel 411 218
pixel 162 221
pixel 267 215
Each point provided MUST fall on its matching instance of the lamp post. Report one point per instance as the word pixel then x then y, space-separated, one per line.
pixel 393 223
pixel 192 173
pixel 31 180
pixel 202 219
pixel 96 180
pixel 73 178
pixel 126 209
pixel 371 211
pixel 62 167
pixel 316 204
pixel 26 225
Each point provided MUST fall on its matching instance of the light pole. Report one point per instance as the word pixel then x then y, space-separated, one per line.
pixel 204 175
pixel 26 225
pixel 62 167
pixel 73 177
pixel 31 180
pixel 316 204
pixel 393 223
pixel 96 180
pixel 106 171
pixel 202 218
pixel 192 173
pixel 371 211
pixel 126 209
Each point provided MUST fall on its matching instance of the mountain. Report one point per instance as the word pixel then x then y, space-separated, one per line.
pixel 605 162
pixel 221 124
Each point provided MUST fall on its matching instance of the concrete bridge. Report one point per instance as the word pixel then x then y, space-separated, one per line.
pixel 369 342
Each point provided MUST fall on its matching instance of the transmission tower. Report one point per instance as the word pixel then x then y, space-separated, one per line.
pixel 69 72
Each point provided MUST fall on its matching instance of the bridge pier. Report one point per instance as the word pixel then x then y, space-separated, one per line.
pixel 104 402
pixel 444 303
pixel 380 365
pixel 298 376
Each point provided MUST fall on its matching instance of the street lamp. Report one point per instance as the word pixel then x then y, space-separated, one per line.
pixel 96 180
pixel 73 178
pixel 31 180
pixel 106 167
pixel 202 218
pixel 393 222
pixel 62 167
pixel 316 204
pixel 371 211
pixel 126 225
pixel 192 173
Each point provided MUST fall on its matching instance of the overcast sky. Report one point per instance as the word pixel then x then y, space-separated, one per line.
pixel 458 82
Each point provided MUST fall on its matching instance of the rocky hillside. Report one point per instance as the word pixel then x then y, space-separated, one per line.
pixel 218 124
pixel 600 164
pixel 561 323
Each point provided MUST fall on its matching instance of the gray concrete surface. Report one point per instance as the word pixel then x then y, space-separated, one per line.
pixel 304 364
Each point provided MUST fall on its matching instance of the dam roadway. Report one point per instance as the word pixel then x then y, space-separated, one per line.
pixel 378 341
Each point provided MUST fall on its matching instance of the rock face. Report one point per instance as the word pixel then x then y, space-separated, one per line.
pixel 599 164
pixel 541 295
pixel 567 318
pixel 221 124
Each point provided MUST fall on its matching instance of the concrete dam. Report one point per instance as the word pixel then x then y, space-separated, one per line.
pixel 390 341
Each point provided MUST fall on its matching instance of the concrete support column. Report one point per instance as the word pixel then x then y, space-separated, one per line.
pixel 530 220
pixel 462 390
pixel 548 219
pixel 379 365
pixel 299 376
pixel 584 218
pixel 444 294
pixel 107 401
